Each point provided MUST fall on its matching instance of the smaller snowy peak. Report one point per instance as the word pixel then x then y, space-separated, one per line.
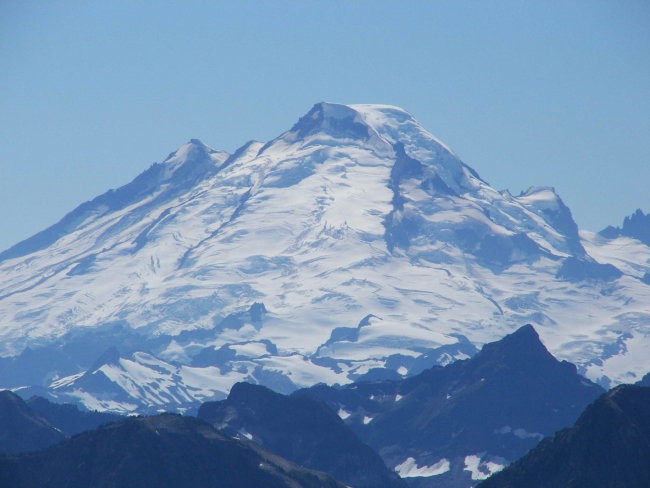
pixel 179 172
pixel 333 119
pixel 545 202
pixel 193 154
pixel 246 152
pixel 540 197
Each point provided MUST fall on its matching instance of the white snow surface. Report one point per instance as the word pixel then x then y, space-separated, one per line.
pixel 481 469
pixel 410 469
pixel 300 225
pixel 344 414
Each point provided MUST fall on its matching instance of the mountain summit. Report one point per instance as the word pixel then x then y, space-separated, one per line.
pixel 356 211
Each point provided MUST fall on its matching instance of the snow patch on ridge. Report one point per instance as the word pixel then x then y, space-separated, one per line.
pixel 481 469
pixel 343 414
pixel 410 469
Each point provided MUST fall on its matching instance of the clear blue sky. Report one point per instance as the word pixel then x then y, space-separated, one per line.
pixel 528 93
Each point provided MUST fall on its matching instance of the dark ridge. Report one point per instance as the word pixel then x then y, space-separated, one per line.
pixel 301 429
pixel 500 402
pixel 608 447
pixel 523 345
pixel 69 418
pixel 166 451
pixel 21 429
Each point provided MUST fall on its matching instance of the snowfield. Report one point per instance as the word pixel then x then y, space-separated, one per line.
pixel 353 238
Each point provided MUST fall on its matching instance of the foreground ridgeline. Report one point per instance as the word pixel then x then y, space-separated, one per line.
pixel 351 241
pixel 608 447
pixel 165 451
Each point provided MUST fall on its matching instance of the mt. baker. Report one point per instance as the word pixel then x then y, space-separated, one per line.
pixel 354 241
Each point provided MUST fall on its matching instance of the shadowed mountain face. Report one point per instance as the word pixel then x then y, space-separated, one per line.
pixel 302 430
pixel 453 426
pixel 68 418
pixel 166 451
pixel 608 447
pixel 37 423
pixel 22 429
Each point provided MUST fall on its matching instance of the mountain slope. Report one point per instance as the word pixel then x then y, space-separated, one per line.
pixel 69 419
pixel 163 451
pixel 22 429
pixel 609 446
pixel 455 425
pixel 301 430
pixel 358 238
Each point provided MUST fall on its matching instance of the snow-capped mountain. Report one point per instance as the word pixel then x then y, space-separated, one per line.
pixel 355 240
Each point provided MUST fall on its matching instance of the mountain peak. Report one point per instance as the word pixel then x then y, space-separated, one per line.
pixel 524 333
pixel 336 120
pixel 545 202
pixel 525 337
pixel 194 151
pixel 521 346
pixel 243 391
pixel 359 121
pixel 636 226
pixel 109 357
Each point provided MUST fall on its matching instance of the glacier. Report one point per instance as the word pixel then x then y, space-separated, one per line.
pixel 354 243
